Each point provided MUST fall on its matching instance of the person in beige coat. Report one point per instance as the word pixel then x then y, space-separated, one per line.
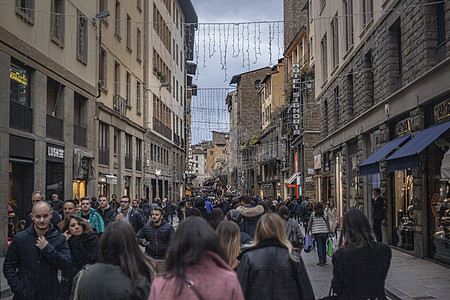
pixel 333 216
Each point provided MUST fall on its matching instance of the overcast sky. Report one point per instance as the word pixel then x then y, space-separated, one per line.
pixel 208 108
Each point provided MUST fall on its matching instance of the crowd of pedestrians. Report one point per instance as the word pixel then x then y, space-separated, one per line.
pixel 223 248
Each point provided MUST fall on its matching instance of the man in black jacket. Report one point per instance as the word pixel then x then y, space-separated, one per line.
pixel 155 237
pixel 34 257
pixel 126 213
pixel 104 210
pixel 378 213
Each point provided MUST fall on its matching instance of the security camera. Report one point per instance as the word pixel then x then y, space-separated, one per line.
pixel 386 108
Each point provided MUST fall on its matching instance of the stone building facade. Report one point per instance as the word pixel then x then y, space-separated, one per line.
pixel 47 77
pixel 248 125
pixel 382 77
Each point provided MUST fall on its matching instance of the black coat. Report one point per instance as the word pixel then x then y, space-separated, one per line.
pixel 135 219
pixel 267 272
pixel 158 237
pixel 378 208
pixel 360 273
pixel 32 273
pixel 83 250
pixel 106 215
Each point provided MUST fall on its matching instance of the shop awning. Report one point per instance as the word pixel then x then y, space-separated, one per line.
pixel 292 179
pixel 408 155
pixel 371 164
pixel 445 168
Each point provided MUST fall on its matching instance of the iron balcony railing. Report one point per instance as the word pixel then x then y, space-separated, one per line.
pixel 128 161
pixel 20 117
pixel 138 164
pixel 159 127
pixel 103 156
pixel 54 127
pixel 79 135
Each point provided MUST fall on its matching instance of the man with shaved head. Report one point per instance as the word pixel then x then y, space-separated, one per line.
pixel 35 198
pixel 34 257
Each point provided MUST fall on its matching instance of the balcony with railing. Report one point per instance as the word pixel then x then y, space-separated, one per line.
pixel 269 155
pixel 138 164
pixel 79 135
pixel 54 127
pixel 159 127
pixel 120 105
pixel 103 156
pixel 20 117
pixel 128 162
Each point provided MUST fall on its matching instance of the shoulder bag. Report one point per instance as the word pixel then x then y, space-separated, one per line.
pixel 191 285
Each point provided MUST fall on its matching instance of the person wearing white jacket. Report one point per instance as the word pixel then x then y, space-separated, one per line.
pixel 333 217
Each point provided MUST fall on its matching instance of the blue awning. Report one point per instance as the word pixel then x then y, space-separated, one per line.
pixel 371 164
pixel 407 157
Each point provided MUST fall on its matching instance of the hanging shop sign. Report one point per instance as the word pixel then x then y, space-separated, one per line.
pixel 111 179
pixel 296 109
pixel 317 162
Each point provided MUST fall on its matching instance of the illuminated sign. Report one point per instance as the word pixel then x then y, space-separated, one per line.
pixel 442 110
pixel 296 109
pixel 17 77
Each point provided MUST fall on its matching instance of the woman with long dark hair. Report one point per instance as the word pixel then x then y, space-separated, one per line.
pixel 230 240
pixel 123 271
pixel 196 267
pixel 292 228
pixel 83 245
pixel 360 265
pixel 319 226
pixel 269 269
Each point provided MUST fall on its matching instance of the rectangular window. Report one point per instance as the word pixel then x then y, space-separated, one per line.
pixel 368 82
pixel 348 9
pixel 440 18
pixel 367 11
pixel 82 41
pixel 396 52
pixel 57 22
pixel 103 144
pixel 323 46
pixel 335 33
pixel 117 20
pixel 350 97
pixel 103 5
pixel 128 90
pixel 19 85
pixel 25 9
pixel 336 108
pixel 138 44
pixel 117 78
pixel 102 68
pixel 115 143
pixel 177 54
pixel 325 117
pixel 311 52
pixel 129 32
pixel 128 151
pixel 138 97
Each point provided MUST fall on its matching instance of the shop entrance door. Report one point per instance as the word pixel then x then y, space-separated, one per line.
pixel 21 182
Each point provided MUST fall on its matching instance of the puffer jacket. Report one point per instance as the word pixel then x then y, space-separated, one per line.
pixel 250 215
pixel 32 273
pixel 267 272
pixel 158 237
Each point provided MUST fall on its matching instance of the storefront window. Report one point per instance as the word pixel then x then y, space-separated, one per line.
pixel 79 189
pixel 19 85
pixel 402 219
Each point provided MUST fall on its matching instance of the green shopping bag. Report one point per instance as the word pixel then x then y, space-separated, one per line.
pixel 330 247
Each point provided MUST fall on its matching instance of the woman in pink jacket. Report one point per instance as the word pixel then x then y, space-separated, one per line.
pixel 196 267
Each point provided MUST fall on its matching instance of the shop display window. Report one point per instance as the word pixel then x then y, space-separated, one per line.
pixel 403 220
pixel 440 206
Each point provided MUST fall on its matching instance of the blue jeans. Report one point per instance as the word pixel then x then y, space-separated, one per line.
pixel 321 241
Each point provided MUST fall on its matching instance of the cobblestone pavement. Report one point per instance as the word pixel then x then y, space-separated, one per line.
pixel 320 276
